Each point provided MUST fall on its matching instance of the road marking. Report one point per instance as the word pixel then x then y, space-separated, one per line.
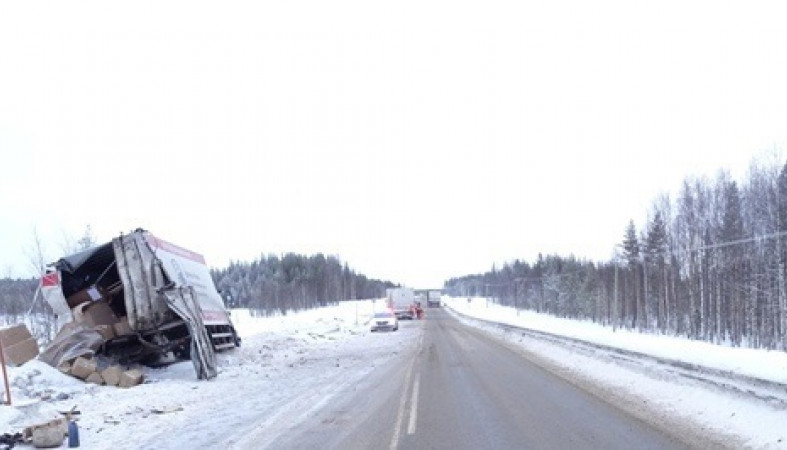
pixel 414 405
pixel 402 401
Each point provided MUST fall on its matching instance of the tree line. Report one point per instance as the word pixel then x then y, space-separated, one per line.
pixel 710 265
pixel 293 282
pixel 270 284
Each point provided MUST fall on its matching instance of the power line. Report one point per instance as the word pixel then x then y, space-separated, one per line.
pixel 667 252
pixel 730 243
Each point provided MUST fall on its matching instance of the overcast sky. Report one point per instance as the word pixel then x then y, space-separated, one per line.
pixel 416 140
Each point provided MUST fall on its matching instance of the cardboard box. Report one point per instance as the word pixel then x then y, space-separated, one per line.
pixel 67 328
pixel 98 313
pixel 111 375
pixel 83 367
pixel 54 426
pixel 92 294
pixel 64 367
pixel 122 327
pixel 21 352
pixel 14 334
pixel 19 346
pixel 95 378
pixel 61 424
pixel 106 331
pixel 131 377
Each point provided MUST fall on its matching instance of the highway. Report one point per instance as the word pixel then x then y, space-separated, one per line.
pixel 460 389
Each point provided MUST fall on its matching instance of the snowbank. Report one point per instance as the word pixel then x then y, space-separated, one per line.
pixel 763 364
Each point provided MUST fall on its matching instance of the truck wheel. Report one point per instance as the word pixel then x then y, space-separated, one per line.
pixel 236 338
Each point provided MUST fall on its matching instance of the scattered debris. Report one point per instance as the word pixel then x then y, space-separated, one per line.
pixel 111 420
pixel 48 434
pixel 76 351
pixel 72 413
pixel 83 367
pixel 166 409
pixel 72 341
pixel 64 367
pixel 19 346
pixel 111 375
pixel 8 440
pixel 131 378
pixel 106 331
pixel 95 378
pixel 47 437
pixel 121 327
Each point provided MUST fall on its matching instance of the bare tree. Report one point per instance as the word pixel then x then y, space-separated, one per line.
pixel 36 253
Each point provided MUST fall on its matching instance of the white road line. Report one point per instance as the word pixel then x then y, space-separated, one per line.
pixel 414 405
pixel 402 401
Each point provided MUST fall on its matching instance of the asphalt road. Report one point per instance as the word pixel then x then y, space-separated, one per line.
pixel 459 389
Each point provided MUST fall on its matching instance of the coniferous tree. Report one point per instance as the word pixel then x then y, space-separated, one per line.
pixel 631 252
pixel 655 269
pixel 711 266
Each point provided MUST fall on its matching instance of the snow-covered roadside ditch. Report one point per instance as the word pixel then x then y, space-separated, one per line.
pixel 706 417
pixel 286 365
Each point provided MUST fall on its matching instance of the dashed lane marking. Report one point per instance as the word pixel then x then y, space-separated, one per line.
pixel 414 405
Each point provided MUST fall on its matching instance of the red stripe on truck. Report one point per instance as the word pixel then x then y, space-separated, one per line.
pixel 214 316
pixel 50 279
pixel 174 249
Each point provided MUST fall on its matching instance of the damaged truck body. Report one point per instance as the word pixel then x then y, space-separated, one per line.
pixel 157 299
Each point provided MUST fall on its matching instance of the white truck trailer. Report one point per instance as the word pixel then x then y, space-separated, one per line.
pixel 402 302
pixel 433 299
pixel 162 291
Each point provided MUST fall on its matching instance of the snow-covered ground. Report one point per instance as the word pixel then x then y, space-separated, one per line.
pixel 286 366
pixel 650 391
pixel 290 365
pixel 767 365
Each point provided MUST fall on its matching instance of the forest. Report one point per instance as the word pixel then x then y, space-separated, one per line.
pixel 709 265
pixel 293 282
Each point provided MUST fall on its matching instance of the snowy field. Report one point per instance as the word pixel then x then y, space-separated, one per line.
pixel 289 366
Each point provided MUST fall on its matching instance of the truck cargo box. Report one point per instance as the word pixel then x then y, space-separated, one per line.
pixel 159 294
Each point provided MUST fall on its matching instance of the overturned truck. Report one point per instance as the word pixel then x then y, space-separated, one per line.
pixel 159 299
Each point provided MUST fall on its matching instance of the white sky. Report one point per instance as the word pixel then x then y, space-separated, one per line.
pixel 417 140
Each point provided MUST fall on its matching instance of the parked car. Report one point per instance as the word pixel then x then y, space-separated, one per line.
pixel 385 320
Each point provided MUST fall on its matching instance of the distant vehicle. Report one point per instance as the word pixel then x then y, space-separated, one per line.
pixel 162 291
pixel 402 302
pixel 433 299
pixel 385 320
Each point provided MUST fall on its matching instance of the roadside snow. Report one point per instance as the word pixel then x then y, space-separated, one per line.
pixel 682 405
pixel 764 364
